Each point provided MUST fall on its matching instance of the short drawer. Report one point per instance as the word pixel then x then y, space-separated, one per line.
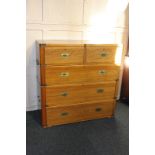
pixel 99 54
pixel 81 112
pixel 76 94
pixel 64 55
pixel 102 73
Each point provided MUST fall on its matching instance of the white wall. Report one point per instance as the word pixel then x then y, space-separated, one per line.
pixel 105 20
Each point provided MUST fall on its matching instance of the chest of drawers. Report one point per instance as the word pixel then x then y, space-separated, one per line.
pixel 78 81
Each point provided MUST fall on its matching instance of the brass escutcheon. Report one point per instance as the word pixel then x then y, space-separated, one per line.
pixel 64 74
pixel 64 94
pixel 103 54
pixel 65 55
pixel 99 90
pixel 102 72
pixel 64 114
pixel 98 109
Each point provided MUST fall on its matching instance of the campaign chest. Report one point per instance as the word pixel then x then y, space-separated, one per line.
pixel 78 81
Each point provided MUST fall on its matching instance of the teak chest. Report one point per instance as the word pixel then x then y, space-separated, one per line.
pixel 78 81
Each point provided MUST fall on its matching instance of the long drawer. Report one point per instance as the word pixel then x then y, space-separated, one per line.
pixel 64 55
pixel 58 75
pixel 80 112
pixel 76 94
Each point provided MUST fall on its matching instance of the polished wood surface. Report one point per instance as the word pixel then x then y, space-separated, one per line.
pixel 79 112
pixel 42 75
pixel 99 54
pixel 43 107
pixel 42 55
pixel 54 43
pixel 56 75
pixel 64 55
pixel 76 94
pixel 97 92
pixel 101 73
pixel 79 81
pixel 64 95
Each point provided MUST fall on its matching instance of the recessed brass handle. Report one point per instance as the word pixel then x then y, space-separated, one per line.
pixel 103 54
pixel 64 94
pixel 65 55
pixel 102 72
pixel 98 109
pixel 99 90
pixel 64 114
pixel 64 74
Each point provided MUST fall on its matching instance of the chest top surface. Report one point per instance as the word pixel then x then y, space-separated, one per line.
pixel 72 43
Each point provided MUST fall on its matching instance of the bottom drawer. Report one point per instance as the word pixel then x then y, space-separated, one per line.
pixel 80 112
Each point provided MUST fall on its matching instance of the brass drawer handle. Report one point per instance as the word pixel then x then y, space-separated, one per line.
pixel 64 94
pixel 98 109
pixel 64 114
pixel 64 74
pixel 65 55
pixel 103 54
pixel 102 72
pixel 99 90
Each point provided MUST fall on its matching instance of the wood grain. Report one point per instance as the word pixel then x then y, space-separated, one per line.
pixel 42 75
pixel 64 55
pixel 104 55
pixel 99 92
pixel 76 94
pixel 79 74
pixel 80 112
pixel 54 76
pixel 101 73
pixel 43 107
pixel 42 54
pixel 79 81
pixel 77 43
pixel 64 95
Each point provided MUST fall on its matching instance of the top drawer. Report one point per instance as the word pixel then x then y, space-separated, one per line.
pixel 101 54
pixel 64 55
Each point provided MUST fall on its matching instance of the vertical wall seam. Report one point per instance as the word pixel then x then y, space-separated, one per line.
pixel 42 11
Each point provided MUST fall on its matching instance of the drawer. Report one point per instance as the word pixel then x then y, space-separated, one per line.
pixel 76 94
pixel 59 75
pixel 81 112
pixel 64 55
pixel 100 54
pixel 101 73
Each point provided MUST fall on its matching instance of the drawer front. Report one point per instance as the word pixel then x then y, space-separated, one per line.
pixel 81 112
pixel 100 55
pixel 78 74
pixel 64 55
pixel 101 73
pixel 67 95
pixel 64 75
